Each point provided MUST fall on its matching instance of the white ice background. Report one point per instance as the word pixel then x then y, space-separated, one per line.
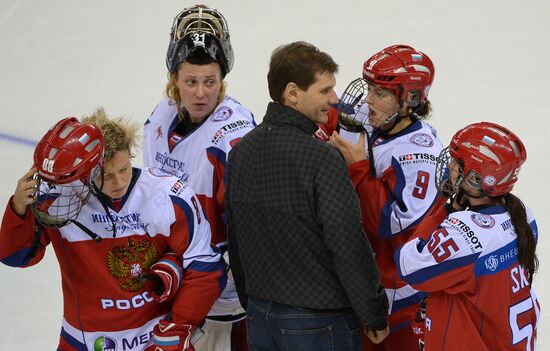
pixel 63 58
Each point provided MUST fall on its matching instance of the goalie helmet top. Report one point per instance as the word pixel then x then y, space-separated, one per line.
pixel 403 69
pixel 200 28
pixel 489 157
pixel 67 159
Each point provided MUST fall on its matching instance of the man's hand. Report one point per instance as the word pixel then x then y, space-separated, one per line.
pixel 377 336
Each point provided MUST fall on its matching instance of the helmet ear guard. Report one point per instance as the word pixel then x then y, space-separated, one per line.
pixel 200 28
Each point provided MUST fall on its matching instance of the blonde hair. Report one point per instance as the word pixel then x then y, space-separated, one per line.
pixel 119 134
pixel 173 93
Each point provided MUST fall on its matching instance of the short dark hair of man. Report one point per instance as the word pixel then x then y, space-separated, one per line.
pixel 296 62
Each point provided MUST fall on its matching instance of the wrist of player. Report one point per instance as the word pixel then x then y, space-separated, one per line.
pixel 164 278
pixel 169 336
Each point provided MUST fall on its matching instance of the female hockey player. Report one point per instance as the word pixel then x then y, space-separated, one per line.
pixel 191 133
pixel 125 238
pixel 478 264
pixel 392 167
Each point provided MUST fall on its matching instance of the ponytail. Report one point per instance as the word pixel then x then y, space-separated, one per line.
pixel 526 237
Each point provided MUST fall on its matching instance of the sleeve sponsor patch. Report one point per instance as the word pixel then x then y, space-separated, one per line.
pixel 178 187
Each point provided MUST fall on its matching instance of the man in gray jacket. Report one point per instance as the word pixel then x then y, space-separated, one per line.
pixel 302 264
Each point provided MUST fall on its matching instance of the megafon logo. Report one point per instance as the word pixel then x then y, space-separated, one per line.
pixel 104 343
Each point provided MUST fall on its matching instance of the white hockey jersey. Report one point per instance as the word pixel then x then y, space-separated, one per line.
pixel 199 159
pixel 395 202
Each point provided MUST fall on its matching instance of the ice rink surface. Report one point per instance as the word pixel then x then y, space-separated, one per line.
pixel 64 58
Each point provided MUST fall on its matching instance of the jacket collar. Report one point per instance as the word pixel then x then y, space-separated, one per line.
pixel 278 114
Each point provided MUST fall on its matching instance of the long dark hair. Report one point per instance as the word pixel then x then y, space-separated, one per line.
pixel 526 238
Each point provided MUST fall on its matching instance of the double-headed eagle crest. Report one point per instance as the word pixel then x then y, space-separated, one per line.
pixel 128 262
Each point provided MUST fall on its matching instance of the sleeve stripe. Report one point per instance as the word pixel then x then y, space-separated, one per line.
pixel 201 266
pixel 431 272
pixel 184 206
pixel 218 154
pixel 21 258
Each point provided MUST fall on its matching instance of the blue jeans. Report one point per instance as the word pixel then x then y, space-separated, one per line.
pixel 272 326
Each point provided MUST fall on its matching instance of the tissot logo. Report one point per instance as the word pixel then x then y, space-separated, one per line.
pixel 422 157
pixel 228 128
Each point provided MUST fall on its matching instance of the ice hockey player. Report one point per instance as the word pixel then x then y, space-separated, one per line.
pixel 125 238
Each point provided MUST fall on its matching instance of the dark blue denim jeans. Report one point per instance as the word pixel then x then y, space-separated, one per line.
pixel 272 326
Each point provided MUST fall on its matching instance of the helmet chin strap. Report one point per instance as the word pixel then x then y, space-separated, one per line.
pixel 392 120
pixel 462 196
pixel 102 198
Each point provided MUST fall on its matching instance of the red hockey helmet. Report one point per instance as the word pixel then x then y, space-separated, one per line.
pixel 490 156
pixel 67 158
pixel 403 69
pixel 69 151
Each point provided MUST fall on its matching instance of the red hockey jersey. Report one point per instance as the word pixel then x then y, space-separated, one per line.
pixel 480 298
pixel 104 299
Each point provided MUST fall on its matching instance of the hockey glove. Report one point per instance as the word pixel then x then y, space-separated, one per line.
pixel 418 323
pixel 164 278
pixel 168 336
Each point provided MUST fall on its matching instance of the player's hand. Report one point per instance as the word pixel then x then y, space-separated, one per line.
pixel 164 277
pixel 23 195
pixel 418 323
pixel 376 336
pixel 351 152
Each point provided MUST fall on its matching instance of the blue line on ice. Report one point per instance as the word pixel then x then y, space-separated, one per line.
pixel 18 140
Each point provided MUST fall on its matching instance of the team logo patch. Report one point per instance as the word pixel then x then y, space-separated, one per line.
pixel 491 263
pixel 159 133
pixel 104 343
pixel 422 139
pixel 489 180
pixel 221 114
pixel 178 187
pixel 484 221
pixel 128 262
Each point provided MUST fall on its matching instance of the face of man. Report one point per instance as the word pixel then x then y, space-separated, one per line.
pixel 317 99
